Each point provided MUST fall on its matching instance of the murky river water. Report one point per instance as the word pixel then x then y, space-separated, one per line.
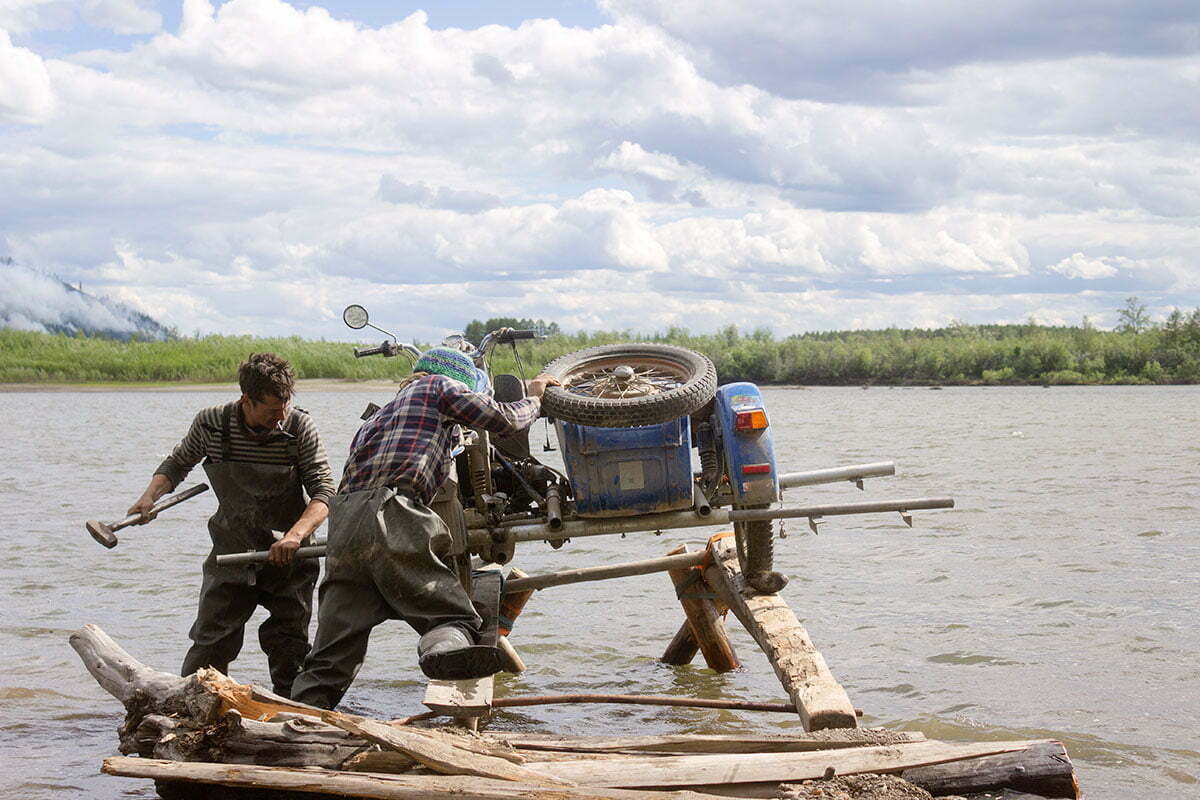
pixel 1058 600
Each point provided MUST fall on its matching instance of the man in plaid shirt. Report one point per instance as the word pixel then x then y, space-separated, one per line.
pixel 379 562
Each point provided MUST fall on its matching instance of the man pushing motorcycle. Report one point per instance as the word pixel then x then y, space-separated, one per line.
pixel 380 563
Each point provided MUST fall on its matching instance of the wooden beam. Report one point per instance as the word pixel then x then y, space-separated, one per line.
pixel 466 698
pixel 366 785
pixel 584 574
pixel 682 648
pixel 1043 769
pixel 712 770
pixel 437 755
pixel 533 744
pixel 820 700
pixel 703 617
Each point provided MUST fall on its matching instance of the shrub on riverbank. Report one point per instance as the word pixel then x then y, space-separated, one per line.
pixel 957 355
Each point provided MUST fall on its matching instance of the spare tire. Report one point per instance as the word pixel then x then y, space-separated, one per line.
pixel 626 385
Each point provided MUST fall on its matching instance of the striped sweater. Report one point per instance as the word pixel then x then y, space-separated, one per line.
pixel 203 443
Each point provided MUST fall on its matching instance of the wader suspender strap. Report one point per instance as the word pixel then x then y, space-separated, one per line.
pixel 226 444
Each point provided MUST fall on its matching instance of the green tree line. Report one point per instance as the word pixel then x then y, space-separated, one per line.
pixel 959 354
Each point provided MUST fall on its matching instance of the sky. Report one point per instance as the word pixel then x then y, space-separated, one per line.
pixel 252 166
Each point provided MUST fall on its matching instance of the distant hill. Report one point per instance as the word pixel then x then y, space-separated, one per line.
pixel 36 301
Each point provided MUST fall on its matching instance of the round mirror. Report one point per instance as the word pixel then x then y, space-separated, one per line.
pixel 355 316
pixel 454 340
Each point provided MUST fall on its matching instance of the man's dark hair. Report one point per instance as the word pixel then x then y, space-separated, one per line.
pixel 266 374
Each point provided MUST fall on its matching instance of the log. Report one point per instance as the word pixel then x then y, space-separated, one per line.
pixel 690 744
pixel 682 648
pixel 358 784
pixel 820 700
pixel 437 755
pixel 700 771
pixel 703 617
pixel 1043 769
pixel 235 740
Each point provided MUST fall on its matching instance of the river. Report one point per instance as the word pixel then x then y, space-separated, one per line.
pixel 1057 600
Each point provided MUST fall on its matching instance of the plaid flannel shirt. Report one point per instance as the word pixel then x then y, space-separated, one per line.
pixel 409 440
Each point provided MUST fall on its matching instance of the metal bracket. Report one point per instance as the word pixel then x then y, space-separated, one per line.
pixel 813 522
pixel 907 517
pixel 858 482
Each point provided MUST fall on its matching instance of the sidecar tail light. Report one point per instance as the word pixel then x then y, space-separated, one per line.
pixel 752 420
pixel 756 469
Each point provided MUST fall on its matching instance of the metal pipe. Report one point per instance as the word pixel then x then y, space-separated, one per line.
pixel 314 550
pixel 647 523
pixel 687 519
pixel 584 574
pixel 553 507
pixel 700 502
pixel 855 472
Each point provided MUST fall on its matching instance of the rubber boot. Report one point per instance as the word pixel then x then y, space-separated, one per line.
pixel 448 653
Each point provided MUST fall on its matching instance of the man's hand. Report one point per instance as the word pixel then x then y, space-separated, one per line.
pixel 537 386
pixel 143 506
pixel 283 552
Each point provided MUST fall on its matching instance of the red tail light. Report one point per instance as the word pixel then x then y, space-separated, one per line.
pixel 753 420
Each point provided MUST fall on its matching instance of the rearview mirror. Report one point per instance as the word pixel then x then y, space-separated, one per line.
pixel 355 316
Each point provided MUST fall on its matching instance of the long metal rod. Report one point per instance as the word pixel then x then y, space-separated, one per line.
pixel 648 523
pixel 584 574
pixel 314 550
pixel 688 519
pixel 855 472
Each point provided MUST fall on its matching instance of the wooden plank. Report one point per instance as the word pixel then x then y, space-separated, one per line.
pixel 712 770
pixel 436 755
pixel 467 698
pixel 1043 769
pixel 683 744
pixel 820 700
pixel 367 785
pixel 703 617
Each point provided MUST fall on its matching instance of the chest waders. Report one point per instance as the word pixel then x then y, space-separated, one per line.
pixel 380 564
pixel 255 499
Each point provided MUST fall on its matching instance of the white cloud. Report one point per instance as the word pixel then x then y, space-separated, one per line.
pixel 25 91
pixel 125 17
pixel 1080 266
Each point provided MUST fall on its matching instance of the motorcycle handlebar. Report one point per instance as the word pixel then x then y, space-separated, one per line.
pixel 514 335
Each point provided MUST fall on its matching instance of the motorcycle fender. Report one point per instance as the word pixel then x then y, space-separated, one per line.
pixel 749 454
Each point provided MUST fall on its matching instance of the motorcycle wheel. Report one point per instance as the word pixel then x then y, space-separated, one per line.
pixel 627 385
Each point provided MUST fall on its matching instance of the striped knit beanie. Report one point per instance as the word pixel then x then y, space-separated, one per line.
pixel 451 363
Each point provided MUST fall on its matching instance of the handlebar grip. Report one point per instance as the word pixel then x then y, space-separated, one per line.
pixel 359 352
pixel 526 334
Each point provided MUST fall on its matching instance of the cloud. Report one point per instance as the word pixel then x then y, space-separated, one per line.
pixel 469 201
pixel 867 50
pixel 125 17
pixel 1082 267
pixel 26 94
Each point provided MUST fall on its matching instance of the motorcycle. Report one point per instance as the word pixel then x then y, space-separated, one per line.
pixel 627 417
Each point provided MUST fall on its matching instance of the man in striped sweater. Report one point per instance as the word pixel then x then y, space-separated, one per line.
pixel 261 456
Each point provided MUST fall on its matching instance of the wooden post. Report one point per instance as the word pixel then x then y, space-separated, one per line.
pixel 682 647
pixel 820 700
pixel 704 620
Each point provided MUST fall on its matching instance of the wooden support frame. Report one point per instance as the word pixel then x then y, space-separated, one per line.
pixel 704 622
pixel 820 700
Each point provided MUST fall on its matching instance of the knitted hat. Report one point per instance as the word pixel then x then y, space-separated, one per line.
pixel 451 363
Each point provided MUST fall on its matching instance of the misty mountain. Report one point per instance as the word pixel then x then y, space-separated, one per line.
pixel 34 301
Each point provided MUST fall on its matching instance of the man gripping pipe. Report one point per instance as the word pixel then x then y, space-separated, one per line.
pixel 261 456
